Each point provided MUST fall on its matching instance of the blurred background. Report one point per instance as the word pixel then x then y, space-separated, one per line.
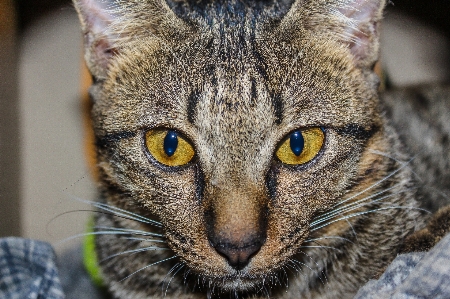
pixel 43 169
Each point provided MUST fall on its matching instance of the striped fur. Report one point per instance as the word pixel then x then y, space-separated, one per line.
pixel 235 77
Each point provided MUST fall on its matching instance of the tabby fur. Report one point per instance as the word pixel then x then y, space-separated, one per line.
pixel 235 77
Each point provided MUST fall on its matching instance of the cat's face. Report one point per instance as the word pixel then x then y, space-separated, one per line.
pixel 236 147
pixel 234 194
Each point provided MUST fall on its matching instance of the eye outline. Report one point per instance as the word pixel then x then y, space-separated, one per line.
pixel 163 166
pixel 308 163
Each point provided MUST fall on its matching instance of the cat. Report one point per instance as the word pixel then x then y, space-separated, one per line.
pixel 242 147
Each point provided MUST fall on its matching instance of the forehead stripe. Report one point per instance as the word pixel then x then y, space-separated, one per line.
pixel 278 107
pixel 192 106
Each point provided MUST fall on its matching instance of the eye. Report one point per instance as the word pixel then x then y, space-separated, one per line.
pixel 300 146
pixel 169 147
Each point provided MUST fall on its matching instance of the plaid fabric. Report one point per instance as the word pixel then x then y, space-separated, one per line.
pixel 414 276
pixel 28 270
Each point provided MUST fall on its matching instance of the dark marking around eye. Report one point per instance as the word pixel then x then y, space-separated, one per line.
pixel 192 106
pixel 277 104
pixel 357 131
pixel 103 141
pixel 297 143
pixel 170 143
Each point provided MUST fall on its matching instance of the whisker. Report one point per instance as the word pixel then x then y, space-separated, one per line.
pixel 377 152
pixel 367 212
pixel 293 268
pixel 47 229
pixel 318 267
pixel 328 237
pixel 152 264
pixel 298 262
pixel 324 219
pixel 133 251
pixel 119 212
pixel 130 231
pixel 296 267
pixel 376 183
pixel 145 240
pixel 89 234
pixel 287 278
pixel 178 270
pixel 350 208
pixel 353 229
pixel 320 246
pixel 186 275
pixel 168 273
pixel 333 210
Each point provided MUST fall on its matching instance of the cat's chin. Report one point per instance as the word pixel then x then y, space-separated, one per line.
pixel 241 283
pixel 246 281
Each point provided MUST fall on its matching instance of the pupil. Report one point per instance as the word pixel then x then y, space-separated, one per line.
pixel 297 143
pixel 170 143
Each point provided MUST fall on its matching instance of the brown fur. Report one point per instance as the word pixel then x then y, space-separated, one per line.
pixel 235 84
pixel 425 239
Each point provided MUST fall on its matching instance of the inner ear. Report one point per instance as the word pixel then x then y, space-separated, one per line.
pixel 361 34
pixel 96 18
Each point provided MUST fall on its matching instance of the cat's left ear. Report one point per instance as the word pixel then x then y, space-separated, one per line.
pixel 361 29
pixel 353 23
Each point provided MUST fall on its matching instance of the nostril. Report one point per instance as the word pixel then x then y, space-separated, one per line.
pixel 238 257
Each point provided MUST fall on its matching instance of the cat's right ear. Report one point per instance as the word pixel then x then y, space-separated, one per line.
pixel 110 25
pixel 96 17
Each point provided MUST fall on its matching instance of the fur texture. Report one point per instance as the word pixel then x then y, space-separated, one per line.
pixel 235 78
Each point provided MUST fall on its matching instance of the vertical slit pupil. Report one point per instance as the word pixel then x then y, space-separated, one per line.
pixel 170 143
pixel 297 143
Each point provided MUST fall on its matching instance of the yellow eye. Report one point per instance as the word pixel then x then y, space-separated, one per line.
pixel 301 146
pixel 168 147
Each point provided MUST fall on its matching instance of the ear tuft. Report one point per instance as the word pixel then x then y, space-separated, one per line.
pixel 361 31
pixel 353 23
pixel 111 25
pixel 96 17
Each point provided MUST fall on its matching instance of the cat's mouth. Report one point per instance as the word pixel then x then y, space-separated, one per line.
pixel 249 280
pixel 265 268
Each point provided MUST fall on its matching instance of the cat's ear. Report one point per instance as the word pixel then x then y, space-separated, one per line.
pixel 353 23
pixel 361 29
pixel 110 25
pixel 96 18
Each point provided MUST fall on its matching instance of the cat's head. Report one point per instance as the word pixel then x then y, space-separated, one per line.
pixel 235 125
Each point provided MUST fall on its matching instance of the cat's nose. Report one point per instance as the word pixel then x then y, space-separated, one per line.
pixel 236 222
pixel 237 256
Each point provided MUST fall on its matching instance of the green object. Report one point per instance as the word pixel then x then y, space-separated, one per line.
pixel 90 259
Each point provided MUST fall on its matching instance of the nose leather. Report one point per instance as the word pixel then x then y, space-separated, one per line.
pixel 238 257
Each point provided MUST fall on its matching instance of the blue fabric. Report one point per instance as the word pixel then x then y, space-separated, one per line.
pixel 28 270
pixel 419 275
